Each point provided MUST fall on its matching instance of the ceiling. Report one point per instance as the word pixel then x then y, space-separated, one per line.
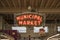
pixel 50 7
pixel 22 5
pixel 33 3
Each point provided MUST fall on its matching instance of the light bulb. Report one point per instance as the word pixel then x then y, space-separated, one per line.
pixel 29 7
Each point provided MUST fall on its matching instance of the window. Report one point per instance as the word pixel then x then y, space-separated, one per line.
pixel 58 28
pixel 20 29
pixel 36 29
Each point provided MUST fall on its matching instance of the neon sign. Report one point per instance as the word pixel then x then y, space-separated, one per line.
pixel 29 20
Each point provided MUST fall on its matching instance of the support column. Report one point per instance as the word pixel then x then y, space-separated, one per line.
pixel 1 21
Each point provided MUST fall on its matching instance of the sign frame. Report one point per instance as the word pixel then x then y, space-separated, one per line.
pixel 37 13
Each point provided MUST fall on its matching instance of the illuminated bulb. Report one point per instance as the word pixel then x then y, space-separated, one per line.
pixel 29 7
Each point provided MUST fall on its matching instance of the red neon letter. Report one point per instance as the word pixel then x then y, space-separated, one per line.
pixel 28 22
pixel 35 23
pixel 20 22
pixel 24 22
pixel 39 22
pixel 25 16
pixel 18 18
pixel 29 16
pixel 31 23
pixel 35 16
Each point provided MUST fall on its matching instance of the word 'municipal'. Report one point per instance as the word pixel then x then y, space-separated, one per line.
pixel 31 16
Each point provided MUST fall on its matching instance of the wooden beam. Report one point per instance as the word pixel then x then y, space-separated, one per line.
pixel 39 3
pixel 19 3
pixel 14 10
pixel 49 10
pixel 29 2
pixel 57 5
pixel 8 3
pixel 48 3
pixel 32 3
pixel 13 3
pixel 36 3
pixel 25 6
pixel 43 3
pixel 2 3
pixel 53 3
pixel 22 3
